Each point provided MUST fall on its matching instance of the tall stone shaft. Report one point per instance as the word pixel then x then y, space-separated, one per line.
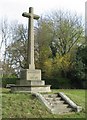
pixel 30 48
pixel 31 40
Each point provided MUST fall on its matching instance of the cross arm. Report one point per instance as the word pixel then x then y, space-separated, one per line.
pixel 25 14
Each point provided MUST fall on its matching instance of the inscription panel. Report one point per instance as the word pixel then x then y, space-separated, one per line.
pixel 33 75
pixel 30 74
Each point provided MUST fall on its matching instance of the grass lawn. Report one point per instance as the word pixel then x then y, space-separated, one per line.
pixel 24 105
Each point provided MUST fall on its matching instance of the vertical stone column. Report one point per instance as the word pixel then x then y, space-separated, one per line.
pixel 30 49
pixel 31 40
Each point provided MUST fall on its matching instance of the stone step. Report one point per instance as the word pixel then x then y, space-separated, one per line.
pixel 57 104
pixel 61 110
pixel 50 97
pixel 56 101
pixel 53 95
pixel 60 105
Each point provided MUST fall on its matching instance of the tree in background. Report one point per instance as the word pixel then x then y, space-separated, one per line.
pixel 8 70
pixel 61 33
pixel 16 51
pixel 57 38
pixel 42 40
pixel 15 42
pixel 5 35
pixel 79 73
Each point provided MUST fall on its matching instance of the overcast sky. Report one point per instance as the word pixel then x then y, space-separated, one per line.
pixel 12 9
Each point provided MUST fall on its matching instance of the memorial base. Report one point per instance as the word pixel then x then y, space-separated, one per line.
pixel 30 81
pixel 31 89
pixel 30 74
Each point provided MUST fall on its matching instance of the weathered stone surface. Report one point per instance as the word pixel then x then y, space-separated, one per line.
pixel 29 74
pixel 58 108
pixel 31 82
pixel 31 88
pixel 55 103
pixel 31 16
pixel 30 78
pixel 70 102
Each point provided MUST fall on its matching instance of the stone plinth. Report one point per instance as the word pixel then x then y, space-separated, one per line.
pixel 30 74
pixel 30 82
pixel 31 88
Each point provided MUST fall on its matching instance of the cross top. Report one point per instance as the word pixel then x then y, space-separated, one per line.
pixel 30 49
pixel 30 14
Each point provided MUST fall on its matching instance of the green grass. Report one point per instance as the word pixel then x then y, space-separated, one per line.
pixel 24 105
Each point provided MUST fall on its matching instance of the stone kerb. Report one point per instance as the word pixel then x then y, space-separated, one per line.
pixel 43 101
pixel 70 102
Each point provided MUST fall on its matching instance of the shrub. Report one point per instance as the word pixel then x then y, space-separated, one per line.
pixel 6 81
pixel 59 83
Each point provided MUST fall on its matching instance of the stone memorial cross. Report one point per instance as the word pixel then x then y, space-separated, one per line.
pixel 30 78
pixel 31 16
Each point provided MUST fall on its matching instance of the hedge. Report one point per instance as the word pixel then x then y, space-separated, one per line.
pixel 58 83
pixel 6 81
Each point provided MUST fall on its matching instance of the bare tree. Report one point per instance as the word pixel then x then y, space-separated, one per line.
pixel 4 36
pixel 66 31
pixel 69 33
pixel 13 43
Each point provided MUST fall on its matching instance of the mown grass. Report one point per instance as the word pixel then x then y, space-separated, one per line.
pixel 24 105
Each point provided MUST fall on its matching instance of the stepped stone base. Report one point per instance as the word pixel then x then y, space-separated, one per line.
pixel 31 88
pixel 30 82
